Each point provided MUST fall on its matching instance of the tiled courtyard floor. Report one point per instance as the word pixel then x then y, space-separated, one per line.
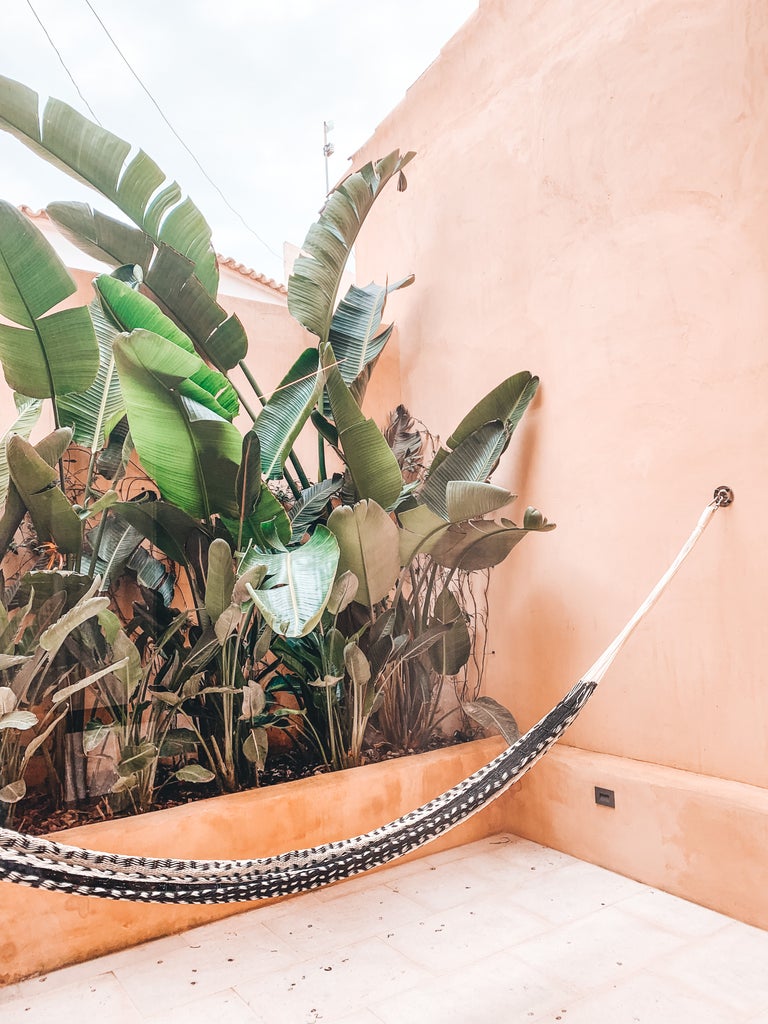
pixel 502 930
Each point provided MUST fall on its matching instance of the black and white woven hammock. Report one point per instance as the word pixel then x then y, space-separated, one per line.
pixel 44 864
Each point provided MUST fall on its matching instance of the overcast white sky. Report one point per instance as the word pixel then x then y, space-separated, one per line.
pixel 247 85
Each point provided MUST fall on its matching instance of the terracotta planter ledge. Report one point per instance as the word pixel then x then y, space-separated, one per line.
pixel 44 930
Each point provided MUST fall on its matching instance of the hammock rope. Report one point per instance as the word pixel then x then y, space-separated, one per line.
pixel 46 864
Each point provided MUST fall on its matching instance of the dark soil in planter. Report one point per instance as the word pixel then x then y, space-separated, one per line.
pixel 37 815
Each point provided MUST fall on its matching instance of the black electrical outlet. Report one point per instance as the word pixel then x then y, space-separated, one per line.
pixel 605 797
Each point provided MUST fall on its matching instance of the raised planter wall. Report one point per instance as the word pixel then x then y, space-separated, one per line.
pixel 44 930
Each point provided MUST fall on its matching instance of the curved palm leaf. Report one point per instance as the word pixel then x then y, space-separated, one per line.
pixel 190 452
pixel 96 157
pixel 219 336
pixel 314 283
pixel 285 413
pixel 311 505
pixel 117 543
pixel 372 465
pixel 469 499
pixel 104 238
pixel 354 336
pixel 42 356
pixel 492 715
pixel 507 402
pixel 299 582
pixel 472 460
pixel 482 543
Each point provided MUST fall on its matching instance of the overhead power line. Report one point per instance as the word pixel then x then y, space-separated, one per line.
pixel 38 19
pixel 157 107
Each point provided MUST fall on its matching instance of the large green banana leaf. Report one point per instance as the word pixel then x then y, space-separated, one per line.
pixel 42 356
pixel 314 283
pixel 218 336
pixel 96 157
pixel 190 452
pixel 354 335
pixel 285 413
pixel 374 469
pixel 368 547
pixel 95 412
pixel 104 238
pixel 133 311
pixel 472 460
pixel 28 410
pixel 481 544
pixel 506 402
pixel 299 582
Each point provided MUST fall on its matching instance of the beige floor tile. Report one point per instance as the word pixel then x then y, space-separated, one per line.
pixel 333 923
pixel 730 967
pixel 101 998
pixel 151 952
pixel 332 985
pixel 571 891
pixel 497 988
pixel 361 1017
pixel 225 1007
pixel 203 968
pixel 599 949
pixel 679 916
pixel 438 887
pixel 453 939
pixel 516 854
pixel 645 998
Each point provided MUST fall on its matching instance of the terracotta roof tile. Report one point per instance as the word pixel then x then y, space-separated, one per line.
pixel 253 275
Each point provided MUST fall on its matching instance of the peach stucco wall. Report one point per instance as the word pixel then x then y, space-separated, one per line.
pixel 590 201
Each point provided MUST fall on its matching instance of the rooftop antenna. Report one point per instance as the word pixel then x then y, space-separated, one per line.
pixel 328 150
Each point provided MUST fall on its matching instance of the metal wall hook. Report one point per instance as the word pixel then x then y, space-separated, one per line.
pixel 723 497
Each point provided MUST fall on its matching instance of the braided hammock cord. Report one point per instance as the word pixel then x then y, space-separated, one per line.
pixel 45 864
